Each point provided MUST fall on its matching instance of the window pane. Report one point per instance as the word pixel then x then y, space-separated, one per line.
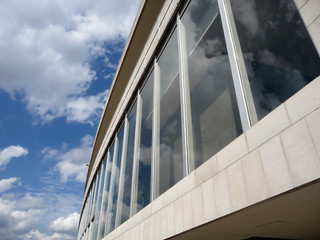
pixel 215 116
pixel 144 177
pixel 104 206
pixel 99 200
pixel 128 164
pixel 279 56
pixel 171 164
pixel 115 183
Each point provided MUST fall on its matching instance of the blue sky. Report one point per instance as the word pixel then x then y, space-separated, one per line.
pixel 57 62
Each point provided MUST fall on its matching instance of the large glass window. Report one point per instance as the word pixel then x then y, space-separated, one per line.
pixel 104 205
pixel 145 150
pixel 115 183
pixel 279 55
pixel 125 199
pixel 171 163
pixel 214 110
pixel 99 200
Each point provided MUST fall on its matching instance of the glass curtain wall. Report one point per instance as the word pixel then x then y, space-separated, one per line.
pixel 104 205
pixel 170 144
pixel 112 208
pixel 125 199
pixel 214 110
pixel 145 148
pixel 99 200
pixel 192 92
pixel 278 53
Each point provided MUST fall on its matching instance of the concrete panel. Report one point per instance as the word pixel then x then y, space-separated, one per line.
pixel 275 166
pixel 315 33
pixel 313 121
pixel 254 177
pixel 186 184
pixel 157 226
pixel 221 193
pixel 232 152
pixel 187 211
pixel 302 157
pixel 196 199
pixel 300 3
pixel 178 218
pixel 310 11
pixel 170 220
pixel 151 226
pixel 170 195
pixel 157 204
pixel 206 170
pixel 208 201
pixel 310 98
pixel 236 186
pixel 164 223
pixel 266 127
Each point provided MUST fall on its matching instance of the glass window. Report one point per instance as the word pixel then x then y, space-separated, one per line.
pixel 99 200
pixel 145 151
pixel 171 163
pixel 115 183
pixel 125 199
pixel 104 205
pixel 279 55
pixel 214 110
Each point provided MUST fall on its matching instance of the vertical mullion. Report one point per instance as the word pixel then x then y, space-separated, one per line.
pixel 112 179
pixel 135 170
pixel 155 134
pixel 247 111
pixel 122 172
pixel 187 130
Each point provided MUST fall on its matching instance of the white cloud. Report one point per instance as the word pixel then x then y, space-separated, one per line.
pixel 39 218
pixel 7 184
pixel 72 163
pixel 37 235
pixel 15 221
pixel 46 48
pixel 11 152
pixel 67 224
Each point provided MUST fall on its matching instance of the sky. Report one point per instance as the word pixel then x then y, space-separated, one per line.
pixel 57 62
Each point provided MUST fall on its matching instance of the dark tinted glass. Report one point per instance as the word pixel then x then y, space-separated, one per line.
pixel 279 55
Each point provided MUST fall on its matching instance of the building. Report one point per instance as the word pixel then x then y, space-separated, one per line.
pixel 212 125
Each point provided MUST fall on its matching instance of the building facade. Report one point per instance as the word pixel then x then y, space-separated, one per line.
pixel 212 126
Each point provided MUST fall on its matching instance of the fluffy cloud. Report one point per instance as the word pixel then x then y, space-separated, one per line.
pixel 66 225
pixel 7 184
pixel 16 220
pixel 73 162
pixel 46 49
pixel 11 152
pixel 37 216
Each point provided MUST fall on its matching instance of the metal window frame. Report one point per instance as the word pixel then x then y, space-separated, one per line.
pixel 185 102
pixel 244 97
pixel 155 158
